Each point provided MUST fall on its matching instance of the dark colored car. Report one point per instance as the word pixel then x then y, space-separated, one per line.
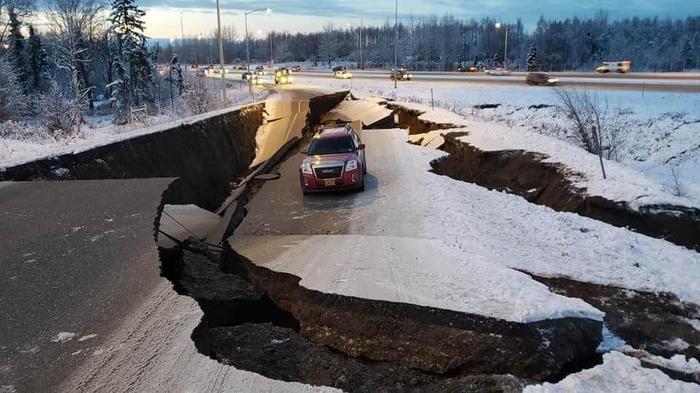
pixel 469 68
pixel 259 70
pixel 400 75
pixel 339 68
pixel 540 79
pixel 335 160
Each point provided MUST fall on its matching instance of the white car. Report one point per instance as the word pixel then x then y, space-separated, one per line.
pixel 342 74
pixel 498 72
pixel 612 66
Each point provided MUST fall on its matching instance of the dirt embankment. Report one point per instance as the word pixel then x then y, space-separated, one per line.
pixel 410 120
pixel 205 156
pixel 644 320
pixel 525 174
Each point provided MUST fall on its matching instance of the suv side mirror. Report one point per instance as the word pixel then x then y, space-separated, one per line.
pixel 361 146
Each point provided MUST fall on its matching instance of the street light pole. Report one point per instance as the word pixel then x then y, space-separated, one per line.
pixel 247 45
pixel 396 45
pixel 362 64
pixel 505 48
pixel 221 54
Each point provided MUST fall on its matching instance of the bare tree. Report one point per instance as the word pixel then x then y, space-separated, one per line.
pixel 77 23
pixel 585 111
pixel 199 98
pixel 677 187
pixel 13 101
pixel 68 55
pixel 54 108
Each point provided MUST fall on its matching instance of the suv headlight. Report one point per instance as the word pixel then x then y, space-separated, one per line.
pixel 351 165
pixel 306 169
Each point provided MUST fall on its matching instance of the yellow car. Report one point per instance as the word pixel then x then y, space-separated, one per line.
pixel 283 76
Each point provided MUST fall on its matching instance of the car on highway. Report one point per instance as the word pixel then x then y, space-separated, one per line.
pixel 339 68
pixel 540 79
pixel 296 68
pixel 251 78
pixel 260 70
pixel 342 74
pixel 401 74
pixel 614 66
pixel 498 72
pixel 334 160
pixel 283 76
pixel 469 68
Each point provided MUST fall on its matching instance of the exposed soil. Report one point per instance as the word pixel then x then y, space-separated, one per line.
pixel 409 119
pixel 644 320
pixel 525 174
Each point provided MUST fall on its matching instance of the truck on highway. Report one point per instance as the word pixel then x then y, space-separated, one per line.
pixel 283 77
pixel 614 66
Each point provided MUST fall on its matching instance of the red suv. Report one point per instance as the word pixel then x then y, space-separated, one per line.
pixel 335 159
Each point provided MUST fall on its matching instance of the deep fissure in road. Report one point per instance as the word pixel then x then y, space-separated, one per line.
pixel 263 321
pixel 528 175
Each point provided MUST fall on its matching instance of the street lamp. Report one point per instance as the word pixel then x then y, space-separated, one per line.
pixel 505 49
pixel 396 45
pixel 221 54
pixel 361 64
pixel 247 45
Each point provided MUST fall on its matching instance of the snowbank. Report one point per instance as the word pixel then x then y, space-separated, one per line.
pixel 622 184
pixel 101 132
pixel 618 373
pixel 505 228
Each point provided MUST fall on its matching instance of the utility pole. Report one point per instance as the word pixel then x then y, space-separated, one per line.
pixel 182 30
pixel 362 64
pixel 221 54
pixel 396 46
pixel 505 51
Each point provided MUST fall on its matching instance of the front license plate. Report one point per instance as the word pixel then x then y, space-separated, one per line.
pixel 329 182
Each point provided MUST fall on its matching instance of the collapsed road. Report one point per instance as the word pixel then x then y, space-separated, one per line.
pixel 358 291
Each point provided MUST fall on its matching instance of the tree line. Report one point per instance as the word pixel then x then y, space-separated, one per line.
pixel 444 43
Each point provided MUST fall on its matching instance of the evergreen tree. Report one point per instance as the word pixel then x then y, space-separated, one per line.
pixel 36 58
pixel 17 47
pixel 13 100
pixel 532 58
pixel 127 22
pixel 121 94
pixel 688 55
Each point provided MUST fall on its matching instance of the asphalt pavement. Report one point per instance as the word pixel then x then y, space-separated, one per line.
pixel 77 256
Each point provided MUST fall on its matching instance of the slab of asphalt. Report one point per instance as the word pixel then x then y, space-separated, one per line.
pixel 76 257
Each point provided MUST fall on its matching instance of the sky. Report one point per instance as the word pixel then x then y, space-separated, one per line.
pixel 199 17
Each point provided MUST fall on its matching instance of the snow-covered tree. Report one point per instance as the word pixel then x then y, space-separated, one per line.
pixel 69 56
pixel 175 77
pixel 13 100
pixel 121 93
pixel 128 26
pixel 54 107
pixel 36 58
pixel 199 98
pixel 532 58
pixel 17 47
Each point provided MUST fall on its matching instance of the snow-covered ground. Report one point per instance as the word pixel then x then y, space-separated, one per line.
pixel 30 142
pixel 661 129
pixel 618 373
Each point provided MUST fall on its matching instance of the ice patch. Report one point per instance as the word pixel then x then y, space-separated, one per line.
pixel 87 337
pixel 610 341
pixel 63 337
pixel 618 373
pixel 676 344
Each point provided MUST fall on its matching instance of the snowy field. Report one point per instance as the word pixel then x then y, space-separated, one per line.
pixel 661 130
pixel 23 142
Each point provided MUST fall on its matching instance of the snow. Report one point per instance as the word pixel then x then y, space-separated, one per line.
pixel 99 131
pixel 610 341
pixel 411 270
pixel 366 111
pixel 618 373
pixel 63 337
pixel 503 228
pixel 184 221
pixel 662 129
pixel 678 362
pixel 622 184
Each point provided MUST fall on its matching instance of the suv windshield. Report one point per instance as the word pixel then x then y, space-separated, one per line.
pixel 331 146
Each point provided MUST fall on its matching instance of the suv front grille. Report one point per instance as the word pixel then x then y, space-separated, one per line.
pixel 328 172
